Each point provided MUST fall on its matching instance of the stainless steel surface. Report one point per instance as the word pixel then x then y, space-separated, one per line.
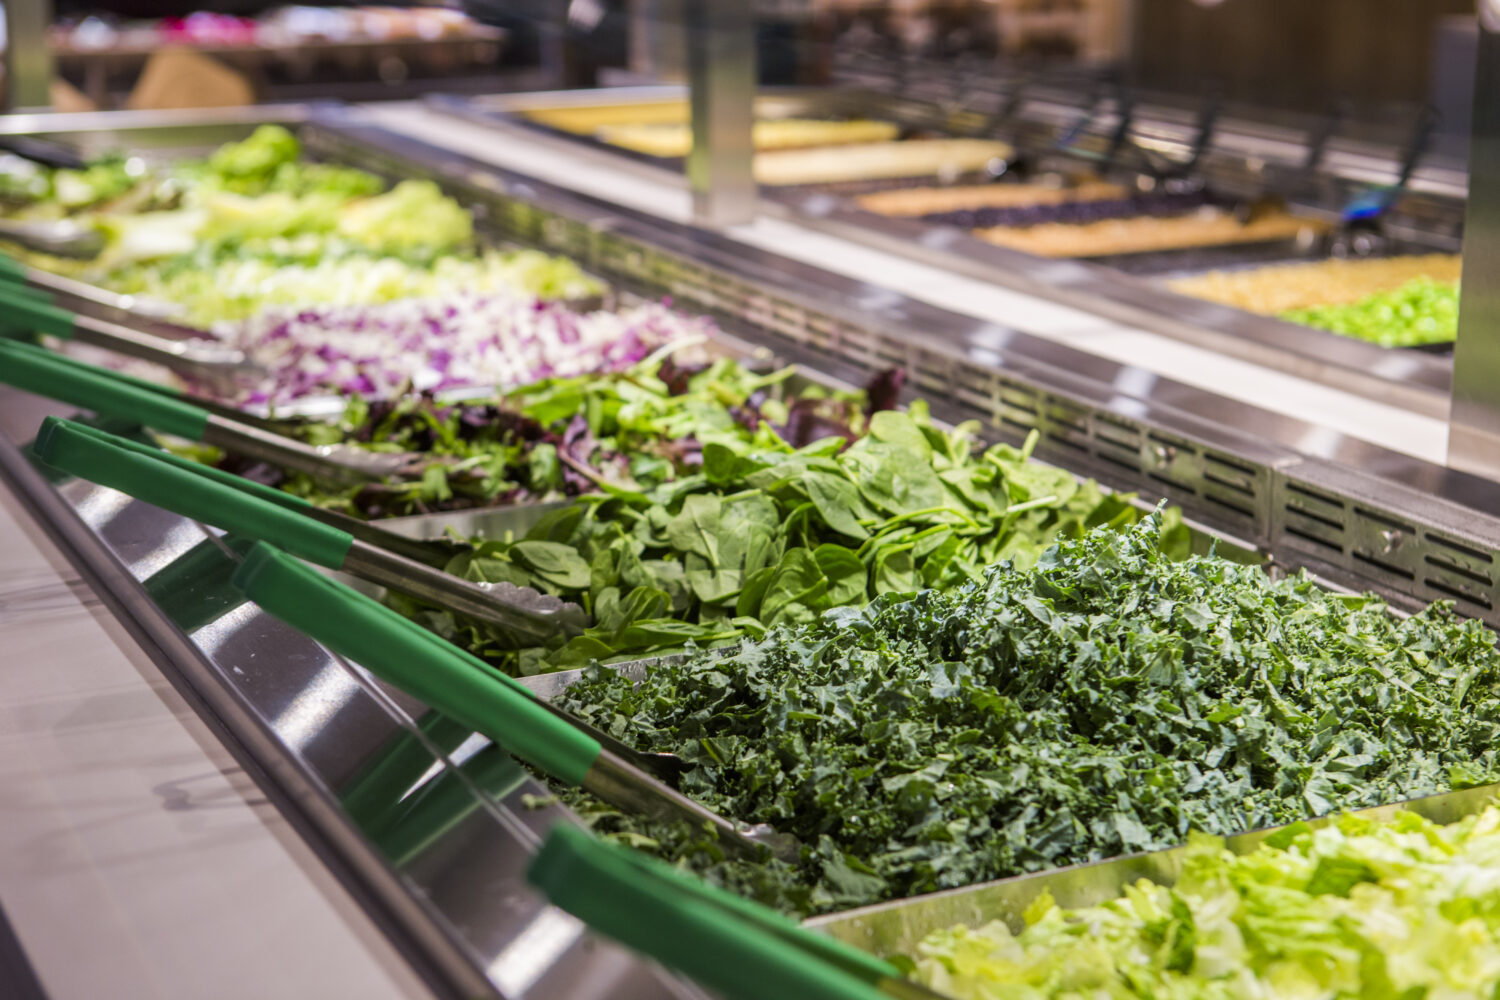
pixel 428 550
pixel 621 784
pixel 488 522
pixel 721 86
pixel 206 360
pixel 128 825
pixel 329 462
pixel 549 686
pixel 896 928
pixel 1474 428
pixel 529 616
pixel 28 54
pixel 446 884
pixel 80 296
pixel 60 237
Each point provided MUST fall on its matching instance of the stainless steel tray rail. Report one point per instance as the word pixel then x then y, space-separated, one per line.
pixel 1246 159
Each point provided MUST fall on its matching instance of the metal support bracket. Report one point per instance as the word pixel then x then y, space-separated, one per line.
pixel 28 56
pixel 1474 420
pixel 721 81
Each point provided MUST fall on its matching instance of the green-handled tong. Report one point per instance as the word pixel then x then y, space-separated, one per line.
pixel 29 309
pixel 254 511
pixel 107 393
pixel 422 551
pixel 118 305
pixel 731 945
pixel 407 656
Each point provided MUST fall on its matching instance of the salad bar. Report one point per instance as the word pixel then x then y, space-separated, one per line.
pixel 1170 222
pixel 588 586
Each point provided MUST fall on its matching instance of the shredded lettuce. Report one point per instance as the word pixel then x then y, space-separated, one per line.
pixel 240 287
pixel 412 215
pixel 1359 908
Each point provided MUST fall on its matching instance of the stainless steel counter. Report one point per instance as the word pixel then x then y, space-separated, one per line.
pixel 137 857
pixel 440 903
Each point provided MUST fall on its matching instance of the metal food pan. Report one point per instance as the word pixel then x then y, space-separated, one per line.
pixel 1161 269
pixel 516 109
pixel 163 136
pixel 1419 381
pixel 897 927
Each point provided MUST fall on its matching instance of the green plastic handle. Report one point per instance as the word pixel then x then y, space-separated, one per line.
pixel 375 791
pixel 12 283
pixel 622 895
pixel 20 307
pixel 381 641
pixel 38 370
pixel 852 960
pixel 267 493
pixel 187 491
pixel 83 366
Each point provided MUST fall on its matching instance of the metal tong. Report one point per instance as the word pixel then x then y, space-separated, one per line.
pixel 738 949
pixel 119 306
pixel 473 693
pixel 249 510
pixel 33 310
pixel 108 393
pixel 58 237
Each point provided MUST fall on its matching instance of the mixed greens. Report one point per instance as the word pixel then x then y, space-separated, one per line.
pixel 1422 311
pixel 713 509
pixel 1360 908
pixel 769 534
pixel 1107 700
pixel 563 436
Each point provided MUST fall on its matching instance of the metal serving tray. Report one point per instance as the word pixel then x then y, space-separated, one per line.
pixel 896 928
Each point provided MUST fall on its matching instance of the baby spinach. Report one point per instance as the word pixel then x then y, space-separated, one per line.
pixel 771 534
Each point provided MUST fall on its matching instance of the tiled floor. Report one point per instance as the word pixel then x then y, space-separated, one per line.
pixel 136 859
